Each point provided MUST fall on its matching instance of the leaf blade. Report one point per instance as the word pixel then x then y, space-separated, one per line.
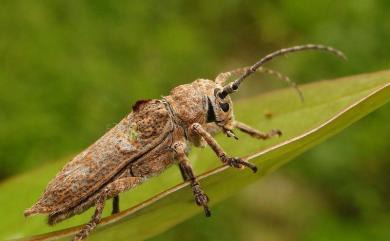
pixel 369 93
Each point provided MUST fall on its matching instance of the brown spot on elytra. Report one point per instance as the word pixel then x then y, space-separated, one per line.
pixel 138 105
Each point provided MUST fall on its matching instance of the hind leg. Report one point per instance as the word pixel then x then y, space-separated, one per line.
pixel 57 217
pixel 115 205
pixel 94 220
pixel 111 190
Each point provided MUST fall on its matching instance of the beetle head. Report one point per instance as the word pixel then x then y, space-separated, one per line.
pixel 218 110
pixel 198 102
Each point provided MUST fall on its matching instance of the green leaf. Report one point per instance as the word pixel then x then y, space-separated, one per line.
pixel 164 201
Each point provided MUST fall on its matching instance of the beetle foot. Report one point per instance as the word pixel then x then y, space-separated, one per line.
pixel 202 199
pixel 239 163
pixel 83 234
pixel 275 132
pixel 269 134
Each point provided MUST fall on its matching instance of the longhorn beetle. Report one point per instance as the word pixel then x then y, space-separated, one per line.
pixel 155 135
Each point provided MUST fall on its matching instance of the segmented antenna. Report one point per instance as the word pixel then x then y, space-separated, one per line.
pixel 283 77
pixel 233 86
pixel 221 78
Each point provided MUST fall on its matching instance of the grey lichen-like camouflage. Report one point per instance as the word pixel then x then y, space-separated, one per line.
pixel 112 154
pixel 155 135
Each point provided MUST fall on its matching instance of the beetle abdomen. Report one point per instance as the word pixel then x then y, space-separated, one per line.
pixel 134 136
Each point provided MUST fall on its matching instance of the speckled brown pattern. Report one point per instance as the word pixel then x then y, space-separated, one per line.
pixel 154 136
pixel 142 145
pixel 92 168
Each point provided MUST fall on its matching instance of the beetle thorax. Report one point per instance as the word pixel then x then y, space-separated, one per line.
pixel 198 103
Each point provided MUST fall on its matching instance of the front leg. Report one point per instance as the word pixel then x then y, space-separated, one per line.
pixel 255 133
pixel 231 161
pixel 201 198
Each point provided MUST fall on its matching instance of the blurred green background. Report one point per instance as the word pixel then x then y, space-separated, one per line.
pixel 69 70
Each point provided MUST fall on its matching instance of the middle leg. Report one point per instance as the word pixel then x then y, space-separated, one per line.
pixel 187 173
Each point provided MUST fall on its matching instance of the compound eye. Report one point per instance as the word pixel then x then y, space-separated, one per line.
pixel 224 106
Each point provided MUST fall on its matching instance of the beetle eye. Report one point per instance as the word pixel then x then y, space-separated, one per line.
pixel 224 106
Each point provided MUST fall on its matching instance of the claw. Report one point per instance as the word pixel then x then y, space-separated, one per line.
pixel 202 199
pixel 276 132
pixel 238 163
pixel 206 211
pixel 249 165
pixel 230 133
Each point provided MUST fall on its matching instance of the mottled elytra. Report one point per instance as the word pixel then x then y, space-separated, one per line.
pixel 155 135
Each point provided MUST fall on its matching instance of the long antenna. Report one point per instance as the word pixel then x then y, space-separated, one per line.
pixel 283 77
pixel 233 86
pixel 222 77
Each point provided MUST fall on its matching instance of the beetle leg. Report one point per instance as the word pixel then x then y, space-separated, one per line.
pixel 201 198
pixel 255 133
pixel 231 161
pixel 115 204
pixel 83 234
pixel 111 190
